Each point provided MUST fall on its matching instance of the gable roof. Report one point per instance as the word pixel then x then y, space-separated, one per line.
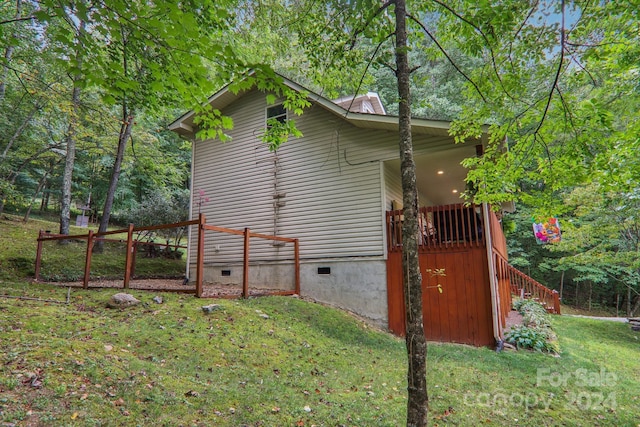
pixel 184 124
pixel 360 103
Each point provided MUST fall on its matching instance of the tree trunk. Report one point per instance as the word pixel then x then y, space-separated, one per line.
pixel 13 174
pixel 67 177
pixel 44 206
pixel 635 308
pixel 561 284
pixel 125 134
pixel 8 54
pixel 19 131
pixel 11 179
pixel 418 400
pixel 41 185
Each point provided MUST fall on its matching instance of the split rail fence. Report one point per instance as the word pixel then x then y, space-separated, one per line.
pixel 132 248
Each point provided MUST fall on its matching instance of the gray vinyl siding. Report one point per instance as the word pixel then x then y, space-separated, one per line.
pixel 393 187
pixel 331 177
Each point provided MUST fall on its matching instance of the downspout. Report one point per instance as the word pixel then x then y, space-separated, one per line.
pixel 193 149
pixel 493 279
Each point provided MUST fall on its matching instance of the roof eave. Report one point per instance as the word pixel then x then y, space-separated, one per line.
pixel 362 120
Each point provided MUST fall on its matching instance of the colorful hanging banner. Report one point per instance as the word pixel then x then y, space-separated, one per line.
pixel 547 231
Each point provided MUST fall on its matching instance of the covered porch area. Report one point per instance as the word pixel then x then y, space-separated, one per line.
pixel 465 242
pixel 459 241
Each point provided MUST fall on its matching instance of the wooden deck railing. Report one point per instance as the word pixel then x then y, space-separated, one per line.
pixel 525 286
pixel 441 227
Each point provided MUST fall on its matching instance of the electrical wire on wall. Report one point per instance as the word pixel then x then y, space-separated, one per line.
pixel 272 160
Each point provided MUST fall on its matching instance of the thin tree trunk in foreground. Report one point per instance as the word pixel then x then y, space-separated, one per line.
pixel 418 399
pixel 67 176
pixel 125 134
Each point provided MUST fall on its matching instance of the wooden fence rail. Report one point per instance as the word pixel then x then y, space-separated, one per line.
pixel 91 237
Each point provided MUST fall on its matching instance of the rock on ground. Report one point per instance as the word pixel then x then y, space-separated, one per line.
pixel 211 308
pixel 122 300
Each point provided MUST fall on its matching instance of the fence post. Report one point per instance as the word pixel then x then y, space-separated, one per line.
pixel 87 260
pixel 38 257
pixel 127 262
pixel 200 255
pixel 556 302
pixel 133 258
pixel 245 266
pixel 296 256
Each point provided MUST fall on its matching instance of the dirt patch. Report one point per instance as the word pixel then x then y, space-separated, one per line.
pixel 209 290
pixel 513 319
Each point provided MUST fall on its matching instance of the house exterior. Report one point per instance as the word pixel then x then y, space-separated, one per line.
pixel 338 190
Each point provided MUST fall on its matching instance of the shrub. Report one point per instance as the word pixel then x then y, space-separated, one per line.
pixel 533 338
pixel 536 332
pixel 529 305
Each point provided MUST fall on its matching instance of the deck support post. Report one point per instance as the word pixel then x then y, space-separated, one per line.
pixel 296 255
pixel 38 256
pixel 128 258
pixel 87 261
pixel 200 255
pixel 245 265
pixel 556 302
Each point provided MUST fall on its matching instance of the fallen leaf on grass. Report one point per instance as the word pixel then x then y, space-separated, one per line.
pixel 445 414
pixel 118 402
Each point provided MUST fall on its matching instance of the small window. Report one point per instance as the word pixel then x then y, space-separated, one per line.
pixel 324 270
pixel 226 272
pixel 277 112
pixel 367 107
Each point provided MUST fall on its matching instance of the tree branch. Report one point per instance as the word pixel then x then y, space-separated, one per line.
pixel 20 19
pixel 444 52
pixel 373 55
pixel 533 7
pixel 579 64
pixel 558 71
pixel 384 6
pixel 486 40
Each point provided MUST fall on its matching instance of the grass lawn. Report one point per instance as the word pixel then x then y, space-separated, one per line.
pixel 282 361
pixel 18 243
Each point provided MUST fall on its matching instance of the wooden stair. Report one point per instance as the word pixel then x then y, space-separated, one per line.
pixel 526 287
